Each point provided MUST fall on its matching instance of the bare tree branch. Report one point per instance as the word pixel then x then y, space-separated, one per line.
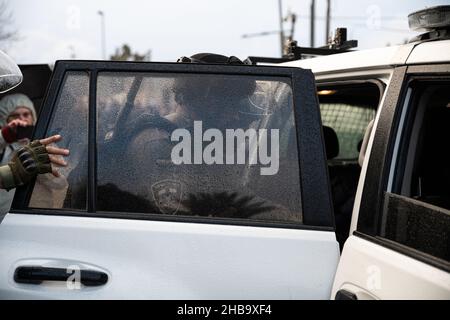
pixel 7 32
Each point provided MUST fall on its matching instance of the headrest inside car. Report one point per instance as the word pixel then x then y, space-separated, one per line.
pixel 331 142
pixel 365 142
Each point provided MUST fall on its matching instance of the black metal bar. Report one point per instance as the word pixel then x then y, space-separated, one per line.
pixel 313 18
pixel 315 189
pixel 163 67
pixel 317 51
pixel 92 144
pixel 296 53
pixel 254 60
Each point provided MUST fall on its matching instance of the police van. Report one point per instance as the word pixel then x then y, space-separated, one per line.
pixel 357 208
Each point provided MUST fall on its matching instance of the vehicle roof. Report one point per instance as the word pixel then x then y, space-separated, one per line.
pixel 411 53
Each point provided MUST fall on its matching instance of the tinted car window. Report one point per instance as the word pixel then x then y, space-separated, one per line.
pixel 219 146
pixel 417 209
pixel 70 121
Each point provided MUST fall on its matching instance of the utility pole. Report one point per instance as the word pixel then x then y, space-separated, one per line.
pixel 280 12
pixel 327 27
pixel 293 18
pixel 102 17
pixel 313 17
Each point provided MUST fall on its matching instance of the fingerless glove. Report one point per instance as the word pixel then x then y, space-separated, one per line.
pixel 27 162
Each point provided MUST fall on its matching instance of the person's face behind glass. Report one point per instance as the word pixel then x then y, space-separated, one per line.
pixel 218 102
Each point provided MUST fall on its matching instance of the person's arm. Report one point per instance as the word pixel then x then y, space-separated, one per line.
pixel 37 157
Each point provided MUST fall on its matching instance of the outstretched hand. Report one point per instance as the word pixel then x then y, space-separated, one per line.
pixel 55 153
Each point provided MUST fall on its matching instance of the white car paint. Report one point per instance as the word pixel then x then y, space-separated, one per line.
pixel 367 269
pixel 430 52
pixel 168 260
pixel 373 272
pixel 367 60
pixel 356 60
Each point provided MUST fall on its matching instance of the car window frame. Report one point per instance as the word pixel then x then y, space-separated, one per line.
pixel 314 184
pixel 380 162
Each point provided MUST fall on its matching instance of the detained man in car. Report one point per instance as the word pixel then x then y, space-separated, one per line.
pixel 198 187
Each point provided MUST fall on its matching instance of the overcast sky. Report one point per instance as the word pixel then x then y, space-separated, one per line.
pixel 51 30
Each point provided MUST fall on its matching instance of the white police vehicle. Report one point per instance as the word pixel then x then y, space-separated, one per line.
pixel 126 222
pixel 398 99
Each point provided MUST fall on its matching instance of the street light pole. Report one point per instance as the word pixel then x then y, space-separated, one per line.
pixel 327 26
pixel 102 16
pixel 313 18
pixel 280 11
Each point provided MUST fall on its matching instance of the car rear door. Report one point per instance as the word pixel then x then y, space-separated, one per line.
pixel 400 235
pixel 184 182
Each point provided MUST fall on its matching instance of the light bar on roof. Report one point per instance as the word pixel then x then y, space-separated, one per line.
pixel 431 18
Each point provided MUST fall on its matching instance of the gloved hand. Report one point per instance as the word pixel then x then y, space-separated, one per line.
pixel 9 132
pixel 27 162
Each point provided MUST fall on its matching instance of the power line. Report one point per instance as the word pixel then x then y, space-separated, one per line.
pixel 259 34
pixel 386 18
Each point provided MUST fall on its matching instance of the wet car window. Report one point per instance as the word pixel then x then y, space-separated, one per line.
pixel 219 146
pixel 70 120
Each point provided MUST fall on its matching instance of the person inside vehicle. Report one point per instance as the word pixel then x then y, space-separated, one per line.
pixel 145 137
pixel 207 190
pixel 137 173
pixel 21 161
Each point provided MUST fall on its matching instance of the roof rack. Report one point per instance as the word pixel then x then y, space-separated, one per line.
pixel 339 44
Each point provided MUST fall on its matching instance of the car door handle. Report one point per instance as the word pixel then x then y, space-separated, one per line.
pixel 38 274
pixel 345 295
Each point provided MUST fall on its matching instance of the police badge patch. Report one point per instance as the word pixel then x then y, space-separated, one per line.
pixel 167 195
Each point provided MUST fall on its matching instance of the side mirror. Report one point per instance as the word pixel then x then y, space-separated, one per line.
pixel 10 74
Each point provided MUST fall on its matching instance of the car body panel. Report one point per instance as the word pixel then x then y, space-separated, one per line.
pixel 422 52
pixel 165 256
pixel 373 272
pixel 168 260
pixel 367 269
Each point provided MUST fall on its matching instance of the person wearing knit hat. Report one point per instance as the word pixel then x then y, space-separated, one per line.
pixel 21 162
pixel 16 110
